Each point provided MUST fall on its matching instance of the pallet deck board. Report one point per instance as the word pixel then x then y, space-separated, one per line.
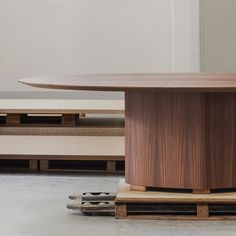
pixel 91 126
pixel 63 131
pixel 137 196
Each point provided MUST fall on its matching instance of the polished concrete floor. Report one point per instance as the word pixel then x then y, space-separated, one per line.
pixel 33 205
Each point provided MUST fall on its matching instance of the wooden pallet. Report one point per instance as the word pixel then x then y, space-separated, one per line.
pixel 131 204
pixel 62 117
pixel 53 125
pixel 63 163
pixel 93 203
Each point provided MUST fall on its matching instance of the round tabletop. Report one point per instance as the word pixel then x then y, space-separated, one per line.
pixel 169 82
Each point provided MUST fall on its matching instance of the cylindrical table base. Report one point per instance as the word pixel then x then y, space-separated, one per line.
pixel 181 140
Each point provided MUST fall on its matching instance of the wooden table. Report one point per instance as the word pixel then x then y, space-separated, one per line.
pixel 180 128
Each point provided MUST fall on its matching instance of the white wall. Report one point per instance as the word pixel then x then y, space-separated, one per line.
pixel 50 37
pixel 218 36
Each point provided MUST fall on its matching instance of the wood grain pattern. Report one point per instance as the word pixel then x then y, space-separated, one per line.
pixel 181 140
pixel 151 82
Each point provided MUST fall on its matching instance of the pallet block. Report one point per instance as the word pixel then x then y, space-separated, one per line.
pixel 69 119
pixel 33 165
pixel 13 119
pixel 131 204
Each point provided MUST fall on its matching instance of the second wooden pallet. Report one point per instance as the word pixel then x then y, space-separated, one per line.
pixel 173 206
pixel 57 163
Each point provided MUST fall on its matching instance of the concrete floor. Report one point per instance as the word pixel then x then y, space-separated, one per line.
pixel 34 205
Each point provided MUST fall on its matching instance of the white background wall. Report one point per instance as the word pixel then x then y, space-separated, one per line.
pixel 50 37
pixel 218 36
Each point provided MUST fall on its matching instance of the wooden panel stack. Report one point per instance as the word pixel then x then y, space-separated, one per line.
pixel 35 130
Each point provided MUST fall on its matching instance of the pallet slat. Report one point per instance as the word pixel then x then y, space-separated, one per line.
pixel 62 131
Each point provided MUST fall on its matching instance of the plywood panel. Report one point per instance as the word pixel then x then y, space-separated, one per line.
pixel 50 106
pixel 62 145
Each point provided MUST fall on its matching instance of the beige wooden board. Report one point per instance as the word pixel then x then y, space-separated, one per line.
pixel 125 195
pixel 66 106
pixel 66 131
pixel 62 145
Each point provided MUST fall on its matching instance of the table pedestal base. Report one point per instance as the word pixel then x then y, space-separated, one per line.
pixel 181 140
